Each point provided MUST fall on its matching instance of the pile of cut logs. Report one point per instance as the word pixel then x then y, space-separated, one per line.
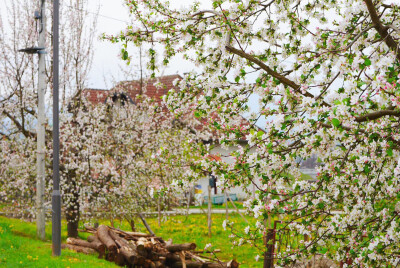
pixel 133 249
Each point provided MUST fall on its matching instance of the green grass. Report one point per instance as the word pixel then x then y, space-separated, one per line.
pixel 194 229
pixel 20 248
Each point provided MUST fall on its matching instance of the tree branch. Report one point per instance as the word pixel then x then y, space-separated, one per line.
pixel 382 30
pixel 376 115
pixel 284 80
pixel 262 65
pixel 26 133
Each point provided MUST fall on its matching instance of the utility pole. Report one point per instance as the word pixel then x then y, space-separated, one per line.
pixel 56 196
pixel 40 182
pixel 40 50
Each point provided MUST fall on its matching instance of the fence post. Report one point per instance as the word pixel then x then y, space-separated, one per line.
pixel 209 220
pixel 269 249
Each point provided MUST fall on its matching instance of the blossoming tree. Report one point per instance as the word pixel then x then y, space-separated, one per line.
pixel 326 74
pixel 127 157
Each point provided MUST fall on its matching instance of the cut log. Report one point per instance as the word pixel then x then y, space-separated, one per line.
pixel 80 249
pixel 94 245
pixel 168 242
pixel 100 247
pixel 231 264
pixel 139 249
pixel 149 264
pixel 189 264
pixel 159 264
pixel 113 235
pixel 207 251
pixel 93 238
pixel 131 256
pixel 197 258
pixel 103 235
pixel 182 257
pixel 126 250
pixel 172 257
pixel 141 244
pixel 138 234
pixel 135 249
pixel 180 247
pixel 110 256
pixel 119 259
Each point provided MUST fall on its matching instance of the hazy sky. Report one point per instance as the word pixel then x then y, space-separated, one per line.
pixel 113 17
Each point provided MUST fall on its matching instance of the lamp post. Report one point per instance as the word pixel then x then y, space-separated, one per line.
pixel 56 196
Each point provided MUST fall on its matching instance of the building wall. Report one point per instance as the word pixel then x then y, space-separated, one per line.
pixel 204 182
pixel 242 195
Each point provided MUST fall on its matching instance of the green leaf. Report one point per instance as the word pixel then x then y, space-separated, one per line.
pixel 335 122
pixel 367 62
pixel 389 152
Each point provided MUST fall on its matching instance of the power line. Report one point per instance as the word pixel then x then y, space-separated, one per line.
pixel 97 14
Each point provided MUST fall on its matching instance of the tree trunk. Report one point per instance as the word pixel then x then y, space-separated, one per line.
pixel 132 224
pixel 72 222
pixel 226 206
pixel 72 211
pixel 159 211
pixel 72 216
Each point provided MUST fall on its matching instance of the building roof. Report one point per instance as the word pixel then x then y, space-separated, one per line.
pixel 96 96
pixel 153 88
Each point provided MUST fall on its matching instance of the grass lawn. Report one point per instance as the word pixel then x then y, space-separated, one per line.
pixel 194 229
pixel 20 248
pixel 238 204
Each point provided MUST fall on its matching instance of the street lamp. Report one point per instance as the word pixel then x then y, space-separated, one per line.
pixel 56 196
pixel 33 50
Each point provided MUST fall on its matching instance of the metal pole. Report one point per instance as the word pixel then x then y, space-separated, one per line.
pixel 56 196
pixel 209 220
pixel 41 213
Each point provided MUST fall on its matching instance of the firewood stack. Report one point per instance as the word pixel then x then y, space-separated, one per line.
pixel 134 249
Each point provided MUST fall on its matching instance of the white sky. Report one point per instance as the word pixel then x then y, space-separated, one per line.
pixel 106 63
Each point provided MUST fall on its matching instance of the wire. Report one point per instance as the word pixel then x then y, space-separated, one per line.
pixel 97 14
